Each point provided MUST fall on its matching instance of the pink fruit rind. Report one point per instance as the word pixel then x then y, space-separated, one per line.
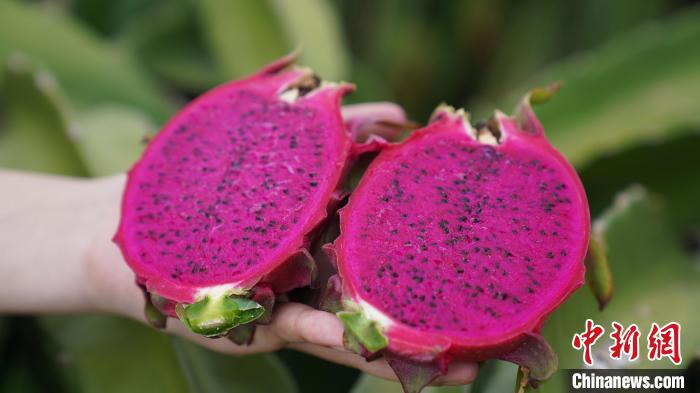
pixel 410 342
pixel 272 80
pixel 523 131
pixel 213 121
pixel 290 265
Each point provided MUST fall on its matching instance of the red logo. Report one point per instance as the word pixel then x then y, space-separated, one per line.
pixel 586 340
pixel 626 341
pixel 663 342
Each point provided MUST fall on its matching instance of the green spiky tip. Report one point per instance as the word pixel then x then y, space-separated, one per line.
pixel 363 330
pixel 540 95
pixel 598 272
pixel 214 316
pixel 154 317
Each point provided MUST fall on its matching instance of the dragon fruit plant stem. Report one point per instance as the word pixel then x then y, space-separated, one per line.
pixel 457 244
pixel 218 213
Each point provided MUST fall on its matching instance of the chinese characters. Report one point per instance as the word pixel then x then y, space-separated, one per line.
pixel 662 341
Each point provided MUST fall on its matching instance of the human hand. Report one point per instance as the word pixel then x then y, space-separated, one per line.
pixel 64 227
pixel 110 287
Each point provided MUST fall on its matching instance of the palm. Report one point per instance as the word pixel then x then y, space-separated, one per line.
pixel 109 284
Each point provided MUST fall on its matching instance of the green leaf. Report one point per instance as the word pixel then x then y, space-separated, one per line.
pixel 598 274
pixel 640 86
pixel 245 35
pixel 89 69
pixel 20 378
pixel 531 37
pixel 669 169
pixel 367 332
pixel 654 282
pixel 215 316
pixel 597 20
pixel 314 26
pixel 109 354
pixel 109 18
pixel 181 64
pixel 110 138
pixel 173 49
pixel 34 131
pixel 210 372
pixel 242 35
pixel 408 55
pixel 371 384
pixel 314 374
pixel 29 364
pixel 536 33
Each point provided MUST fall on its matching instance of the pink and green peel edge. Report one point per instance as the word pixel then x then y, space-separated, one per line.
pixel 417 365
pixel 295 266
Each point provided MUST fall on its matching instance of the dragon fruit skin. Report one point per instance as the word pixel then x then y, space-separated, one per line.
pixel 218 213
pixel 457 244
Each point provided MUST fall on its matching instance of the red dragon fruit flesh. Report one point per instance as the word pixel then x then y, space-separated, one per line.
pixel 457 244
pixel 218 213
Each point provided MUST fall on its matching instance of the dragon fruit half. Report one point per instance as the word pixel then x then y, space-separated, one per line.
pixel 457 244
pixel 218 213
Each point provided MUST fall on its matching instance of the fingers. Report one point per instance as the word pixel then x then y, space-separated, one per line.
pixel 459 373
pixel 320 334
pixel 378 367
pixel 379 118
pixel 265 340
pixel 388 111
pixel 111 288
pixel 294 322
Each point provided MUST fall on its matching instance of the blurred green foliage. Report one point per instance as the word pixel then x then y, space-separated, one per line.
pixel 35 120
pixel 84 81
pixel 91 69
